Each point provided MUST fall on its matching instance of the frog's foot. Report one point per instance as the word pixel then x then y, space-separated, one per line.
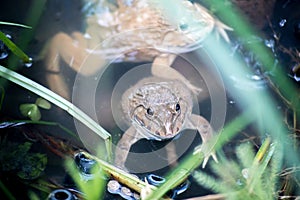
pixel 206 132
pixel 213 154
pixel 206 156
pixel 221 29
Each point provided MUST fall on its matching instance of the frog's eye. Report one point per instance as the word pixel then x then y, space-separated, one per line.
pixel 150 111
pixel 177 107
pixel 183 26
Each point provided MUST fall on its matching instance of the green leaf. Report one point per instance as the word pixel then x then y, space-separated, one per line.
pixel 43 103
pixel 30 110
pixel 26 109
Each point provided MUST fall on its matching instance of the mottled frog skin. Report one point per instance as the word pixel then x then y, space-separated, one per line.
pixel 135 31
pixel 158 109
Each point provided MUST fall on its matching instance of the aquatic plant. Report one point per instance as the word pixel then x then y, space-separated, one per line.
pixel 32 111
pixel 18 158
pixel 252 177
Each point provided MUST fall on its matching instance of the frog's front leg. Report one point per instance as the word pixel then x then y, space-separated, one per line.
pixel 206 132
pixel 161 67
pixel 130 137
pixel 73 51
pixel 70 49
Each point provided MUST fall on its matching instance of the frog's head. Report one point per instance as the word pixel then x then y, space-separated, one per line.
pixel 189 24
pixel 157 112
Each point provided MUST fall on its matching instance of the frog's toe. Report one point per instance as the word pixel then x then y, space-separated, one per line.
pixel 196 90
pixel 213 154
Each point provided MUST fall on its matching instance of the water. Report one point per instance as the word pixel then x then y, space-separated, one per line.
pixel 66 16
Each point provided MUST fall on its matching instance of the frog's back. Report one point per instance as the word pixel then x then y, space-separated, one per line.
pixel 141 30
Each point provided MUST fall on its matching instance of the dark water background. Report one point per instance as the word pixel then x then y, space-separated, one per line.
pixel 66 16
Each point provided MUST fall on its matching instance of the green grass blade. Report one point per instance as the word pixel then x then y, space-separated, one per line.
pixel 14 48
pixel 14 24
pixel 6 191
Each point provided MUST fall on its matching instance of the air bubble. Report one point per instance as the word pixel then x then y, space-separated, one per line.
pixel 28 64
pixel 270 43
pixel 296 72
pixel 255 77
pixel 282 22
pixel 231 102
pixel 3 54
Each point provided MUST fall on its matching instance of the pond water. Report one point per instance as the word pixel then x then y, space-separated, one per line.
pixel 99 95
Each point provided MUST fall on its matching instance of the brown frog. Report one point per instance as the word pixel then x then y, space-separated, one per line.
pixel 159 109
pixel 135 31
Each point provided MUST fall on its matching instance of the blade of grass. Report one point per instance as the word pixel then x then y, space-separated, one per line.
pixel 6 191
pixel 14 48
pixel 260 162
pixel 262 151
pixel 14 24
pixel 60 102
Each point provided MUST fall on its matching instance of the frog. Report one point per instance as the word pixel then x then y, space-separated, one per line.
pixel 159 109
pixel 132 31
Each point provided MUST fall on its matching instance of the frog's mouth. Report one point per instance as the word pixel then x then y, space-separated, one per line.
pixel 180 49
pixel 150 135
pixel 163 133
pixel 146 133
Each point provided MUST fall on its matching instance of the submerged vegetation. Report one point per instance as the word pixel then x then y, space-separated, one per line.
pixel 261 173
pixel 252 177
